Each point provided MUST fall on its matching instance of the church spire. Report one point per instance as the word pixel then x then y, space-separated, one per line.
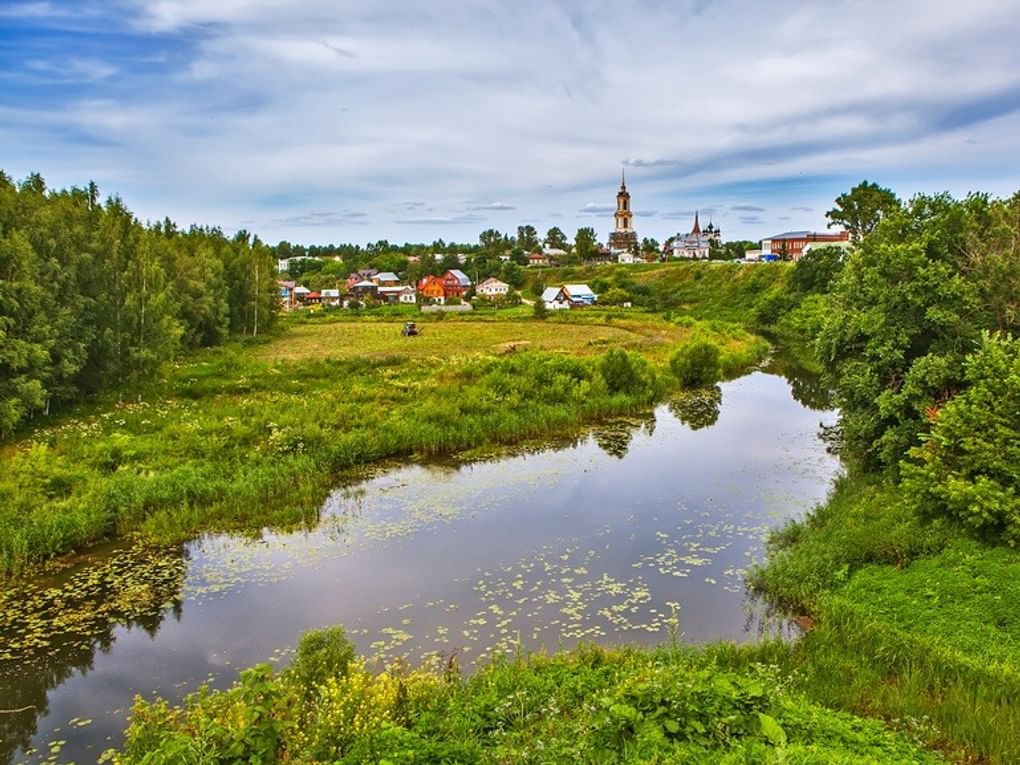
pixel 697 225
pixel 623 179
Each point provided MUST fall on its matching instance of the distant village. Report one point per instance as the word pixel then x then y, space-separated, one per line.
pixel 453 290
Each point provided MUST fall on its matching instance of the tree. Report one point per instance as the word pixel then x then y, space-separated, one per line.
pixel 585 243
pixel 649 246
pixel 860 209
pixel 492 241
pixel 902 316
pixel 527 238
pixel 556 239
pixel 967 467
pixel 614 296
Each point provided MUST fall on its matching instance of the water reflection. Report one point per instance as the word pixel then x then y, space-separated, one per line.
pixel 806 385
pixel 51 631
pixel 697 408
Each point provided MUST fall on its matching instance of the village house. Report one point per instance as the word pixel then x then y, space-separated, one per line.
pixel 364 275
pixel 580 295
pixel 493 288
pixel 554 299
pixel 386 279
pixel 432 288
pixel 287 300
pixel 569 296
pixel 455 283
pixel 402 293
pixel 538 259
pixel 300 295
pixel 331 297
pixel 365 290
pixel 790 245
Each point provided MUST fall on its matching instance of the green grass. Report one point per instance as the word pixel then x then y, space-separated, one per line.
pixel 255 434
pixel 911 621
pixel 715 705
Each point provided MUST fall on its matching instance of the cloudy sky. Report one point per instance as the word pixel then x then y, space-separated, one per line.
pixel 356 120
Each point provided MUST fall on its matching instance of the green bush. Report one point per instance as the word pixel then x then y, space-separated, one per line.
pixel 322 654
pixel 620 372
pixel 968 467
pixel 696 363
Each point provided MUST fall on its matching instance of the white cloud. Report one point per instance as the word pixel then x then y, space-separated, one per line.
pixel 261 110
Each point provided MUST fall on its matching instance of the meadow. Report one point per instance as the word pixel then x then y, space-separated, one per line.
pixel 255 433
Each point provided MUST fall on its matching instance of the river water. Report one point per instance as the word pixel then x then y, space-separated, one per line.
pixel 637 532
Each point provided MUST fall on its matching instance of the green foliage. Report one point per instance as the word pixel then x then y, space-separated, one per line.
pixel 594 705
pixel 968 466
pixel 624 372
pixel 862 208
pixel 614 296
pixel 696 363
pixel 817 270
pixel 538 309
pixel 906 310
pixel 322 654
pixel 91 300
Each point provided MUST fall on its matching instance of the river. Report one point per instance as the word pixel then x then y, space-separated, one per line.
pixel 636 532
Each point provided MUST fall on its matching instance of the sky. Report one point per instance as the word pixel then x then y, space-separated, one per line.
pixel 319 121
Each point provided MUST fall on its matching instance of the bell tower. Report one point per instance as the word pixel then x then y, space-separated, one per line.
pixel 624 237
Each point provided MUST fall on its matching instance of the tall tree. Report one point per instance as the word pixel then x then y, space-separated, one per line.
pixel 585 243
pixel 860 209
pixel 556 239
pixel 527 238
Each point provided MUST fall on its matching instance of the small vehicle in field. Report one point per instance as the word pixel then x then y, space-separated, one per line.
pixel 409 329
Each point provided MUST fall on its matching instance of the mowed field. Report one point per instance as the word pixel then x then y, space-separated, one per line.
pixel 345 339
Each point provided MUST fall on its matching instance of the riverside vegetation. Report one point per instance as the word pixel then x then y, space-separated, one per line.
pixel 906 577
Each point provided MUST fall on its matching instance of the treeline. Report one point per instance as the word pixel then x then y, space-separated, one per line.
pixel 92 300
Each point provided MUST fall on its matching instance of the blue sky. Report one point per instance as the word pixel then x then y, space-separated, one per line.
pixel 321 121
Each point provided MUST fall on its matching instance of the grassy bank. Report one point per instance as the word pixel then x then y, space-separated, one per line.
pixel 253 435
pixel 912 621
pixel 714 705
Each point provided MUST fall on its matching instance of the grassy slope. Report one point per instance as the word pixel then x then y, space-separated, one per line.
pixel 255 434
pixel 913 621
pixel 724 291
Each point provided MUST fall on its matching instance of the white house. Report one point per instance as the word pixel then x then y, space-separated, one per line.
pixel 401 293
pixel 554 298
pixel 580 294
pixel 330 297
pixel 493 287
pixel 628 258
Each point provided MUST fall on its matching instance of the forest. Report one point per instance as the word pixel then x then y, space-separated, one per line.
pixel 92 299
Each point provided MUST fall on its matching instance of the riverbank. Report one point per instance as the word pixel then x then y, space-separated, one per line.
pixel 912 621
pixel 670 704
pixel 255 434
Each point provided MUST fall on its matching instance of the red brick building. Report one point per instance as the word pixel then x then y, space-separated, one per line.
pixel 790 245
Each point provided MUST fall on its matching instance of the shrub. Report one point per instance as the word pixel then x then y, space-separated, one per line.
pixel 538 309
pixel 696 363
pixel 321 655
pixel 620 372
pixel 968 467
